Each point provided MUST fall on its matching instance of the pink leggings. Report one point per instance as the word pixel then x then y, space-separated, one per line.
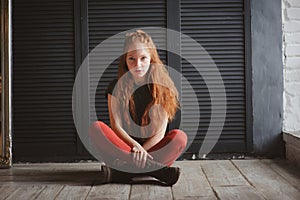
pixel 111 147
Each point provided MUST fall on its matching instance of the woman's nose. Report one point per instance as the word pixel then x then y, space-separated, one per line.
pixel 138 63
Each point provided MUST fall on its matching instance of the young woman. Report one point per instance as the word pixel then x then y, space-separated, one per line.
pixel 141 103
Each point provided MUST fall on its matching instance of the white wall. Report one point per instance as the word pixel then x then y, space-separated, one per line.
pixel 291 61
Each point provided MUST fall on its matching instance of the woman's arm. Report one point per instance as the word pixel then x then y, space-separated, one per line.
pixel 158 128
pixel 115 121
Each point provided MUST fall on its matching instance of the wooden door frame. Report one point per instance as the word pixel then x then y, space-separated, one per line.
pixel 5 60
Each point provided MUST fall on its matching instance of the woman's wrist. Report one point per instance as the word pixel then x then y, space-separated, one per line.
pixel 137 147
pixel 134 144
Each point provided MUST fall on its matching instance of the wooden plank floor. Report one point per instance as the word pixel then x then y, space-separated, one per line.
pixel 205 179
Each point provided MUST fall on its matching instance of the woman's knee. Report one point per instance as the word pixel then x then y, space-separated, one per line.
pixel 97 127
pixel 179 136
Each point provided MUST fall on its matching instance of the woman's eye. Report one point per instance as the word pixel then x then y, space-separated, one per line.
pixel 130 58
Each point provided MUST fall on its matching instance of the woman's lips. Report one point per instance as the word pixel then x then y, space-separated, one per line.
pixel 138 70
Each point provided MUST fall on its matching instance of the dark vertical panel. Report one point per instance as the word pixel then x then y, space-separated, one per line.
pixel 43 76
pixel 174 42
pixel 266 34
pixel 218 25
pixel 81 101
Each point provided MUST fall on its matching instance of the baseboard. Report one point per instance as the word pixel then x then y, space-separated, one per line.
pixel 292 147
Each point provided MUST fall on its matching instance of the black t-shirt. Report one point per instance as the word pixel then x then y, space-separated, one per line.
pixel 142 97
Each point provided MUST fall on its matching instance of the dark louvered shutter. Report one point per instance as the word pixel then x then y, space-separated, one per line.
pixel 218 25
pixel 44 67
pixel 107 18
pixel 43 77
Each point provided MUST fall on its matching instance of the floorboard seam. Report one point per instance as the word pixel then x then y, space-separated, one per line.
pixel 129 193
pixel 172 193
pixel 213 189
pixel 40 192
pixel 245 177
pixel 89 192
pixel 59 191
pixel 12 193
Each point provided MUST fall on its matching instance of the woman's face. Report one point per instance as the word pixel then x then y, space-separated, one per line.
pixel 138 61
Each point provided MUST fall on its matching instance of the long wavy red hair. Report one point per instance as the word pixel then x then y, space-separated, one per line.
pixel 164 94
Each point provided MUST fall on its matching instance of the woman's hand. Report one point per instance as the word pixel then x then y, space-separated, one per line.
pixel 140 155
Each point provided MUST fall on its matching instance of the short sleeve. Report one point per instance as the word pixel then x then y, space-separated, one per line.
pixel 110 88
